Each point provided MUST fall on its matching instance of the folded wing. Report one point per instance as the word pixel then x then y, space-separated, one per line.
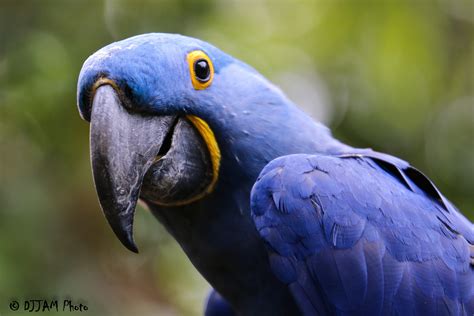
pixel 364 234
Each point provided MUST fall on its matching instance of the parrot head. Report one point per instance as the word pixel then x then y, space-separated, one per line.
pixel 170 118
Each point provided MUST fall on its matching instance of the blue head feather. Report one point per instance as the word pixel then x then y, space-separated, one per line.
pixel 241 106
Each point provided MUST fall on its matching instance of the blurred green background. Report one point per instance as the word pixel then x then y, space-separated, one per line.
pixel 396 76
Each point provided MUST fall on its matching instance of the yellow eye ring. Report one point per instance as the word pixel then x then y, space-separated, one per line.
pixel 200 69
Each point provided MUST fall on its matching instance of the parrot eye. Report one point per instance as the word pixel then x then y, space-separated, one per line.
pixel 201 69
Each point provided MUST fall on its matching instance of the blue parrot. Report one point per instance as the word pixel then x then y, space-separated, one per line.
pixel 278 216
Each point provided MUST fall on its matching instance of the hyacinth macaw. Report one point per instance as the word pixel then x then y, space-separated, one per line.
pixel 278 216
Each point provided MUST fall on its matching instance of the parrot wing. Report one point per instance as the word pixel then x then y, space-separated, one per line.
pixel 364 234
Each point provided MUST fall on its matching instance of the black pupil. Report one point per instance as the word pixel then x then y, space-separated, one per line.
pixel 202 70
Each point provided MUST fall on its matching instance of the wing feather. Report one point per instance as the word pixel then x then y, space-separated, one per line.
pixel 363 234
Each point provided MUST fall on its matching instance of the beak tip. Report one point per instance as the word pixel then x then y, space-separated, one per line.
pixel 123 229
pixel 132 247
pixel 126 238
pixel 129 243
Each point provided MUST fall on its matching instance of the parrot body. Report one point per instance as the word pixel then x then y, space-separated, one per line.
pixel 216 305
pixel 326 230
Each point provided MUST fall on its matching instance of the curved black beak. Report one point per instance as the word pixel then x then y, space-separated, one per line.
pixel 123 146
